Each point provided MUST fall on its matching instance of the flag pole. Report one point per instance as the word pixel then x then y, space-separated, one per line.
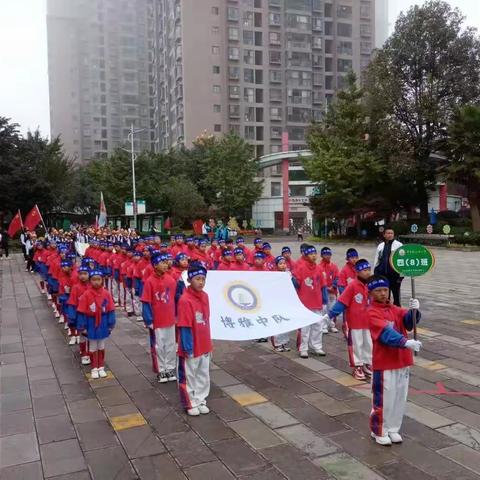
pixel 41 217
pixel 21 220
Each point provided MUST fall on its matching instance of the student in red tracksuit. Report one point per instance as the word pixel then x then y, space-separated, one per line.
pixel 392 359
pixel 180 265
pixel 332 273
pixel 240 243
pixel 96 315
pixel 312 290
pixel 212 253
pixel 179 246
pixel 239 264
pixel 194 343
pixel 201 255
pixel 158 310
pixel 346 275
pixel 257 247
pixel 78 289
pixel 353 304
pixel 226 260
pixel 65 284
pixel 258 262
pixel 269 258
pixel 287 255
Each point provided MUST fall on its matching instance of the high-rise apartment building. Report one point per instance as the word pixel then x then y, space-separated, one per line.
pixel 99 77
pixel 382 25
pixel 177 68
pixel 255 67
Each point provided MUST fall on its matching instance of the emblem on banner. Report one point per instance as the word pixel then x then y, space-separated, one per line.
pixel 242 297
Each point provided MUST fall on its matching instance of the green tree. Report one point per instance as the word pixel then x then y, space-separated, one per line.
pixel 343 163
pixel 230 175
pixel 464 154
pixel 429 66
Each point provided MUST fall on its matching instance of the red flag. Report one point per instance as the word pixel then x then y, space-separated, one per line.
pixel 15 225
pixel 168 224
pixel 33 218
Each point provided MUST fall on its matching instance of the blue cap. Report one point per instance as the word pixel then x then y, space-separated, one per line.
pixel 202 241
pixel 257 241
pixel 163 245
pixel 195 270
pixel 279 259
pixel 259 255
pixel 240 240
pixel 286 250
pixel 94 273
pixel 266 246
pixel 83 268
pixel 351 253
pixel 65 263
pixel 309 250
pixel 226 252
pixel 138 254
pixel 326 251
pixel 362 265
pixel 238 251
pixel 381 282
pixel 190 239
pixel 161 257
pixel 179 236
pixel 180 256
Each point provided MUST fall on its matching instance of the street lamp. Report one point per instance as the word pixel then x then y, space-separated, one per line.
pixel 131 136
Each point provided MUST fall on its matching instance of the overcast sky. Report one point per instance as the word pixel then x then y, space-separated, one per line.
pixel 23 57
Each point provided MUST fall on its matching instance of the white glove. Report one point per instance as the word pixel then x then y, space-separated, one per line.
pixel 325 319
pixel 413 304
pixel 414 345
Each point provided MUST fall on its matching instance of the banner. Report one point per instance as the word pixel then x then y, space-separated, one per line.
pixel 251 305
pixel 102 218
pixel 81 248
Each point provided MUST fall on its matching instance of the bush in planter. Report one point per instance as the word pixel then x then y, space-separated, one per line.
pixel 470 239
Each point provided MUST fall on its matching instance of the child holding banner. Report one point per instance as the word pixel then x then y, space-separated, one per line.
pixel 158 301
pixel 392 359
pixel 194 343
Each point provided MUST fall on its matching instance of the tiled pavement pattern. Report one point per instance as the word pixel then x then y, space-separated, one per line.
pixel 274 416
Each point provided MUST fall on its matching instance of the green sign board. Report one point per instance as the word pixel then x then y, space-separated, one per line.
pixel 412 260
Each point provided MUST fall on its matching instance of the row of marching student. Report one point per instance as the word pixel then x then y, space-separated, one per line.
pixel 146 278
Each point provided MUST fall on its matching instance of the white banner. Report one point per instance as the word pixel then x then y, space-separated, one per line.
pixel 81 248
pixel 251 305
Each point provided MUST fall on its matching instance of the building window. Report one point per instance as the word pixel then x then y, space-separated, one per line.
pixel 344 65
pixel 217 108
pixel 249 115
pixel 328 9
pixel 216 69
pixel 317 24
pixel 249 57
pixel 345 48
pixel 232 13
pixel 276 189
pixel 249 75
pixel 300 22
pixel 234 73
pixel 366 47
pixel 216 89
pixel 275 94
pixel 249 132
pixel 249 95
pixel 233 53
pixel 274 38
pixel 248 38
pixel 234 111
pixel 316 42
pixel 215 11
pixel 274 19
pixel 248 19
pixel 275 56
pixel 215 30
pixel 275 132
pixel 275 76
pixel 344 11
pixel 365 30
pixel 234 91
pixel 275 113
pixel 364 11
pixel 235 129
pixel 215 50
pixel 217 127
pixel 345 29
pixel 233 33
pixel 297 190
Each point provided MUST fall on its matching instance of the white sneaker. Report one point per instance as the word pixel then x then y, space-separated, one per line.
pixel 325 331
pixel 57 315
pixel 101 372
pixel 61 319
pixel 65 326
pixel 303 354
pixel 385 440
pixel 320 353
pixel 395 437
pixel 203 409
pixel 193 412
pixel 333 330
pixel 86 360
pixel 49 297
pixel 72 341
pixel 43 291
pixel 139 319
pixel 94 374
pixel 77 339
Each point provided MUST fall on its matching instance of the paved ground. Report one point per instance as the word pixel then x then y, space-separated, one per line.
pixel 274 416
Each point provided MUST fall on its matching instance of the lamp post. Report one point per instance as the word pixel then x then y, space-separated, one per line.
pixel 131 137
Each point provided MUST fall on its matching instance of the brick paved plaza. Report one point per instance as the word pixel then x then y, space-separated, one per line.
pixel 274 416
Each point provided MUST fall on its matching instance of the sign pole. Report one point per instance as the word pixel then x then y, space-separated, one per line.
pixel 412 283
